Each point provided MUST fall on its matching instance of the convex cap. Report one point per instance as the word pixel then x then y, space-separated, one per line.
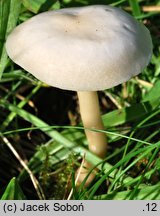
pixel 83 49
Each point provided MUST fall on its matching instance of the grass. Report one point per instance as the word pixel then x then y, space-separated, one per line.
pixel 41 150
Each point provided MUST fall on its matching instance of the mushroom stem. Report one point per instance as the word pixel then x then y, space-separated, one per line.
pixel 91 118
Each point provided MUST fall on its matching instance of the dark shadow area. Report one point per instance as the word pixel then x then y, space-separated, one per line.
pixel 53 105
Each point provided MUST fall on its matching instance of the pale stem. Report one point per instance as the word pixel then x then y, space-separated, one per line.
pixel 91 118
pixel 97 142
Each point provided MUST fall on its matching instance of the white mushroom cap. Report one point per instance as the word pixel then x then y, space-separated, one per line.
pixel 83 49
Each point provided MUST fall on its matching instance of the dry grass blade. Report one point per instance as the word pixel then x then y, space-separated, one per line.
pixel 33 178
pixel 151 8
pixel 116 103
pixel 77 177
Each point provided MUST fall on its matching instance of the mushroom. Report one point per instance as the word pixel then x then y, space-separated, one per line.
pixel 84 49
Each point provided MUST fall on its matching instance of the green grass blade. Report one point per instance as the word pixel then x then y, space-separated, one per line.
pixel 128 157
pixel 135 7
pixel 9 13
pixel 117 3
pixel 153 93
pixel 38 5
pixel 118 117
pixel 148 166
pixel 13 191
pixel 4 16
pixel 146 193
pixel 12 115
pixel 33 6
